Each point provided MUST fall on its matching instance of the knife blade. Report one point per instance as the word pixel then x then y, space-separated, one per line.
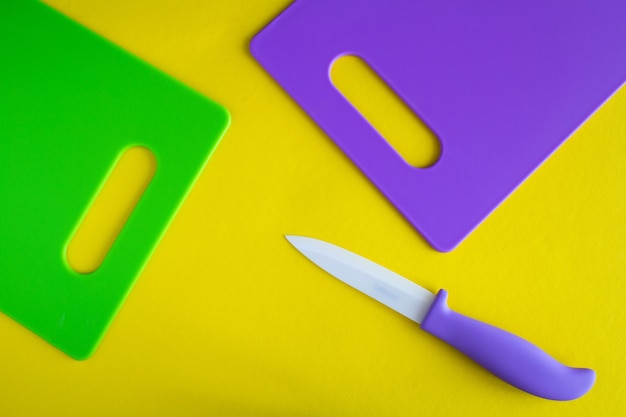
pixel 509 357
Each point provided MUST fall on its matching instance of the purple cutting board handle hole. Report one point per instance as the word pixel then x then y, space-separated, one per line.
pixel 405 131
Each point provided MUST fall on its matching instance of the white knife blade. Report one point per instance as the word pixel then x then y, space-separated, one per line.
pixel 383 285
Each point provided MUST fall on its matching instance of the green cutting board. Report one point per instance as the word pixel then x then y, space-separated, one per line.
pixel 71 104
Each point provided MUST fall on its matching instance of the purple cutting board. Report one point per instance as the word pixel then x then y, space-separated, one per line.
pixel 501 83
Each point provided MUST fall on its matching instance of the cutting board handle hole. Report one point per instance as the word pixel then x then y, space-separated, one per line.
pixel 110 209
pixel 386 112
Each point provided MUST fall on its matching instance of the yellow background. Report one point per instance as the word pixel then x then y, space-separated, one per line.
pixel 228 319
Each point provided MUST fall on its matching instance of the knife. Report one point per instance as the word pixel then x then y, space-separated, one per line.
pixel 509 357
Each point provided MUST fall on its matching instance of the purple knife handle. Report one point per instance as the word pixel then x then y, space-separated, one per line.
pixel 509 357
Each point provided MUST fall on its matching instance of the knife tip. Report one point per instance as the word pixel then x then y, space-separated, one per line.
pixel 290 238
pixel 298 241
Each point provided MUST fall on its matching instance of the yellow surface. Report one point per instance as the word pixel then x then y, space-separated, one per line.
pixel 229 320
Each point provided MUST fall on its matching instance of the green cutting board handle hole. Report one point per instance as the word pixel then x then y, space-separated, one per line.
pixel 377 102
pixel 110 209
